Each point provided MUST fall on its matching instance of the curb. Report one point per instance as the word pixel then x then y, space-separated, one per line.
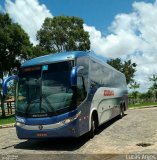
pixel 143 107
pixel 7 125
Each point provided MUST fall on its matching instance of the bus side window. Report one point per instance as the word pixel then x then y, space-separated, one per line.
pixel 81 91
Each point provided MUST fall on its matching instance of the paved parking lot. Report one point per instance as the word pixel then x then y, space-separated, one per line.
pixel 135 133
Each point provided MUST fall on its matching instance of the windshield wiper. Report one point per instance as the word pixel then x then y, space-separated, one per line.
pixel 49 104
pixel 29 104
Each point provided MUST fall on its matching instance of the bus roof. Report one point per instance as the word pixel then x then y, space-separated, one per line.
pixel 50 58
pixel 63 56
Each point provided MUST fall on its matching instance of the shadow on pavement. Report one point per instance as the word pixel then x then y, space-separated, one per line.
pixel 55 144
pixel 107 124
pixel 61 144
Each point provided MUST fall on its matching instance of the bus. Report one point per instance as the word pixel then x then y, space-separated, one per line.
pixel 67 94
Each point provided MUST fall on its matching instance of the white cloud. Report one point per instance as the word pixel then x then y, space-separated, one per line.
pixel 132 35
pixel 29 14
pixel 113 45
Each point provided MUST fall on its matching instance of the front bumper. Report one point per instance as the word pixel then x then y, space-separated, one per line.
pixel 67 130
pixel 64 125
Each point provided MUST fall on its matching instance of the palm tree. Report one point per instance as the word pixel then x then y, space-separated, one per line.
pixel 134 86
pixel 154 86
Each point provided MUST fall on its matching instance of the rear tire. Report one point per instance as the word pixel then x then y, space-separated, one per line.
pixel 121 115
pixel 91 133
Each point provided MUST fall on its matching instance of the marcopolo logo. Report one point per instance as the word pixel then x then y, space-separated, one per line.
pixel 108 93
pixel 40 127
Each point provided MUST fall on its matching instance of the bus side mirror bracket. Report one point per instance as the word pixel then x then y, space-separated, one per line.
pixel 73 76
pixel 5 82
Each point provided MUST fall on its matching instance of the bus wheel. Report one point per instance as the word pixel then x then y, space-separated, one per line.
pixel 121 115
pixel 91 133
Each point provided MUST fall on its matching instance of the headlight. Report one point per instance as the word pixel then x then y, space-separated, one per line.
pixel 19 119
pixel 19 124
pixel 68 120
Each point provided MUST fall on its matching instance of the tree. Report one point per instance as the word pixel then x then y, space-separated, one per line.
pixel 63 33
pixel 149 95
pixel 154 86
pixel 126 67
pixel 38 51
pixel 143 97
pixel 14 48
pixel 134 86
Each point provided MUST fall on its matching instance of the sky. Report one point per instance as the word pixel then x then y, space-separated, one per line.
pixel 124 29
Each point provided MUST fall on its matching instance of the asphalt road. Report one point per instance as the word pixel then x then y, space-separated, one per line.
pixel 136 133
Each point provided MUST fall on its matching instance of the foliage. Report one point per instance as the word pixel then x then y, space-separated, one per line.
pixel 141 99
pixel 146 96
pixel 7 120
pixel 14 48
pixel 11 89
pixel 38 51
pixel 134 86
pixel 154 85
pixel 143 104
pixel 154 80
pixel 126 67
pixel 63 33
pixel 15 45
pixel 149 94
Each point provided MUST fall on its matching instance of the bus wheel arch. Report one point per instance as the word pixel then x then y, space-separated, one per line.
pixel 95 117
pixel 124 105
pixel 94 123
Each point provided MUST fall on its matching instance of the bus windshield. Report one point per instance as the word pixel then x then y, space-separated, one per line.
pixel 45 90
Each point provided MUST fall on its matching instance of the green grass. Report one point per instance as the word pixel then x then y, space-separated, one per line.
pixel 7 120
pixel 140 105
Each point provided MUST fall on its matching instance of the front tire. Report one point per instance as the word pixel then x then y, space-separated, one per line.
pixel 91 133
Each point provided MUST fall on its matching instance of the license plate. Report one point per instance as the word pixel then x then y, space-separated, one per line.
pixel 41 134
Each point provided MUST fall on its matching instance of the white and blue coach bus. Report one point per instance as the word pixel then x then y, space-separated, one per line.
pixel 66 95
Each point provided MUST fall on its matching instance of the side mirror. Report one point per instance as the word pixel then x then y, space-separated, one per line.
pixel 74 73
pixel 1 81
pixel 73 76
pixel 5 82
